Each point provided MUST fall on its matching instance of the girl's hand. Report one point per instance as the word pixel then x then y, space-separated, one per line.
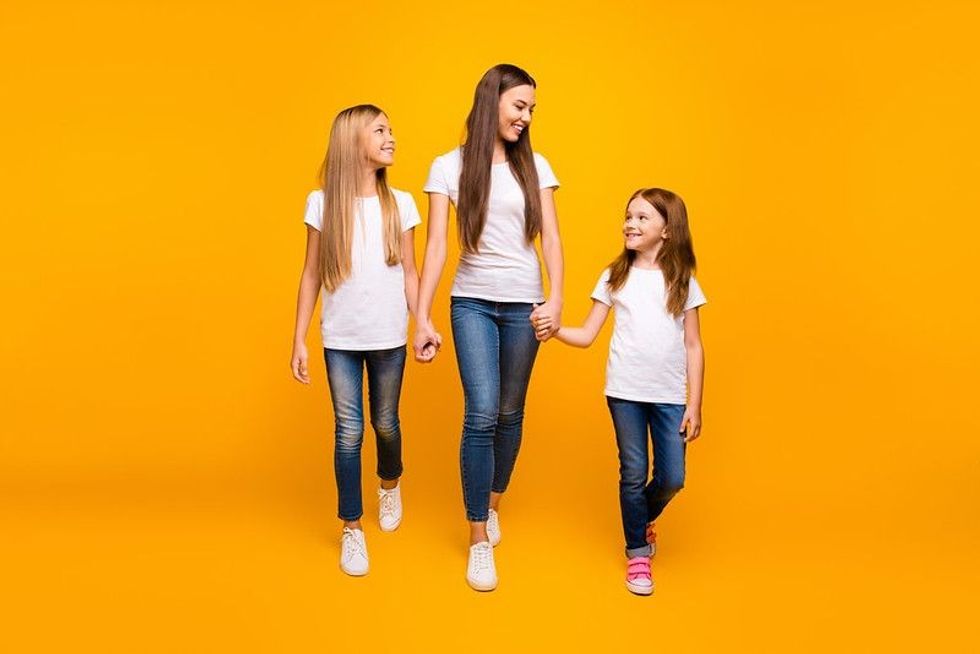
pixel 542 326
pixel 298 363
pixel 691 424
pixel 546 319
pixel 426 343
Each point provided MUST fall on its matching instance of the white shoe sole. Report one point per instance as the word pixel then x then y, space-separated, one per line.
pixel 636 589
pixel 353 573
pixel 483 588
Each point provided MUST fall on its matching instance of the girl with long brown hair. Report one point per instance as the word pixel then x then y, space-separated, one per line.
pixel 504 197
pixel 655 372
pixel 360 249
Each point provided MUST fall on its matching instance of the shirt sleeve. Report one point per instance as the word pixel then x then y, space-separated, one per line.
pixel 437 182
pixel 601 292
pixel 314 210
pixel 695 297
pixel 546 176
pixel 409 212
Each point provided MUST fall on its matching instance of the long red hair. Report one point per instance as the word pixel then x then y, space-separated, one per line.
pixel 676 255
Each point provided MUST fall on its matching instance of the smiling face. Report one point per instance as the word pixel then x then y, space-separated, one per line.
pixel 378 142
pixel 514 112
pixel 645 228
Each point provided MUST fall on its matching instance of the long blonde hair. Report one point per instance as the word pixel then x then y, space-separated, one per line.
pixel 338 179
pixel 676 257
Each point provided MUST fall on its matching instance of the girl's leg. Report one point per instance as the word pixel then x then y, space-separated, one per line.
pixel 630 420
pixel 668 457
pixel 345 377
pixel 385 369
pixel 477 342
pixel 518 349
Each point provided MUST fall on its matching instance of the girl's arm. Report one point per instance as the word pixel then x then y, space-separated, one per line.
pixel 309 286
pixel 691 422
pixel 582 336
pixel 553 261
pixel 427 339
pixel 411 272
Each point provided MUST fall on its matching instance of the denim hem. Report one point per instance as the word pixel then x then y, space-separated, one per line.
pixel 646 550
pixel 357 517
pixel 483 519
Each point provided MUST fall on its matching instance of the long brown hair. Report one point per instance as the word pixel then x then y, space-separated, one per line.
pixel 338 179
pixel 676 255
pixel 482 126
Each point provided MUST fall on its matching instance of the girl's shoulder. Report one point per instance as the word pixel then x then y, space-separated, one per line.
pixel 452 158
pixel 314 202
pixel 401 196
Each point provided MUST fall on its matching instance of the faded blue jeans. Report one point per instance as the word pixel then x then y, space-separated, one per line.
pixel 345 375
pixel 495 350
pixel 641 501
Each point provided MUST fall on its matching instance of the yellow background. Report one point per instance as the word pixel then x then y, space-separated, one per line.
pixel 166 486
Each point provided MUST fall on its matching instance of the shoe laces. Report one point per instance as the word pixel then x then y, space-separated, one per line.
pixel 387 501
pixel 482 557
pixel 352 545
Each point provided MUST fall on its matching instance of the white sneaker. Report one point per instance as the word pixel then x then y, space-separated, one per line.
pixel 481 574
pixel 353 552
pixel 390 508
pixel 493 528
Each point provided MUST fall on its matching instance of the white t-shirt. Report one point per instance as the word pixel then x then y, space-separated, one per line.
pixel 368 311
pixel 506 267
pixel 647 358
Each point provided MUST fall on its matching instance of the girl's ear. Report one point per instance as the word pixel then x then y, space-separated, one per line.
pixel 663 233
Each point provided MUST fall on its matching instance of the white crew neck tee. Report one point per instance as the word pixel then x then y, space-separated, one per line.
pixel 647 359
pixel 368 311
pixel 506 266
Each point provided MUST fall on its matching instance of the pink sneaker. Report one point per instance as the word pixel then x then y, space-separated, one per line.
pixel 638 577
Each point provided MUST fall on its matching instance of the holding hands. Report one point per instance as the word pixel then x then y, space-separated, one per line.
pixel 427 342
pixel 546 319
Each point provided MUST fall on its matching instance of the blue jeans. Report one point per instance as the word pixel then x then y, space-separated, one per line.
pixel 345 375
pixel 640 501
pixel 495 350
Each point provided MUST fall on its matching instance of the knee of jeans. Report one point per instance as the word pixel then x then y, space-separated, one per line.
pixel 632 478
pixel 349 436
pixel 386 427
pixel 510 416
pixel 480 421
pixel 672 483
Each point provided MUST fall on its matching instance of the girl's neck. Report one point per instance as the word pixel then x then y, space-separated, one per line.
pixel 367 183
pixel 499 151
pixel 647 259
